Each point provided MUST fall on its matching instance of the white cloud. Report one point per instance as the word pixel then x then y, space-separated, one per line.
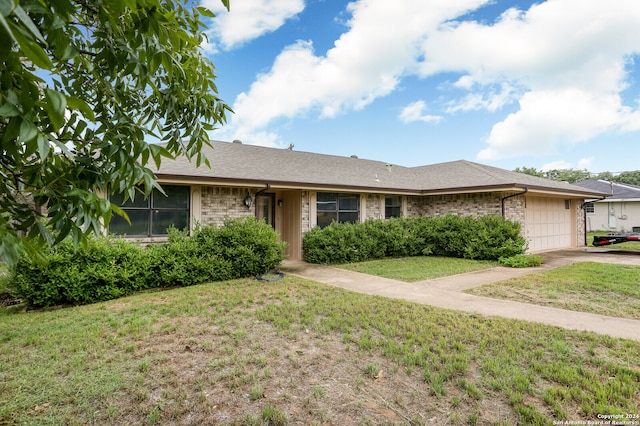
pixel 489 100
pixel 556 165
pixel 415 112
pixel 368 61
pixel 561 62
pixel 547 118
pixel 568 56
pixel 585 163
pixel 249 19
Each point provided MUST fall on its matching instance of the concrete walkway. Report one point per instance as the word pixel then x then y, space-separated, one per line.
pixel 446 292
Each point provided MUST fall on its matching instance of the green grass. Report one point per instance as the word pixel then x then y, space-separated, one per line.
pixel 298 352
pixel 632 245
pixel 418 268
pixel 606 289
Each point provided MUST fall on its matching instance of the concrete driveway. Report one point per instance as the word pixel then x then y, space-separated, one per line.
pixel 447 293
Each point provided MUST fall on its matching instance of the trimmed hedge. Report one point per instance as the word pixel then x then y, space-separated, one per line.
pixel 485 238
pixel 107 268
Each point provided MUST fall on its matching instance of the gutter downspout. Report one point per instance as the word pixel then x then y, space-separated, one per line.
pixel 255 197
pixel 511 196
pixel 268 187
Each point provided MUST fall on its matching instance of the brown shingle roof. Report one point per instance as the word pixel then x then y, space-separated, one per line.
pixel 260 165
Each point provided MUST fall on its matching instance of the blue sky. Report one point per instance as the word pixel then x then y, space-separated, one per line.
pixel 553 84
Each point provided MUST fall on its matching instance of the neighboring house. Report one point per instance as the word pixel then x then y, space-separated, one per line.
pixel 295 191
pixel 619 212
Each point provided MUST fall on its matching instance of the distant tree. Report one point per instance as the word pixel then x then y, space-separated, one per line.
pixel 632 178
pixel 83 86
pixel 604 176
pixel 569 175
pixel 575 175
pixel 530 171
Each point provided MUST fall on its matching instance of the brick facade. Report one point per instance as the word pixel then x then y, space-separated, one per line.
pixel 514 208
pixel 581 225
pixel 306 211
pixel 219 203
pixel 460 204
pixel 373 203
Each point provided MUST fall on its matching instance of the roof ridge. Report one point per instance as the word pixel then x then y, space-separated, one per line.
pixel 488 169
pixel 310 153
pixel 620 184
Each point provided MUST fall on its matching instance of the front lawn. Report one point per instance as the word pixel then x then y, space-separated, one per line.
pixel 298 352
pixel 418 268
pixel 599 288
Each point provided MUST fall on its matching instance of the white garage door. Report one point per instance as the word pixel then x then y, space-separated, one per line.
pixel 548 223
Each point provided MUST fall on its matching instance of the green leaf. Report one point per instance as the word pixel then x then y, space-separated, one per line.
pixel 157 152
pixel 117 210
pixel 44 233
pixel 5 25
pixel 56 106
pixel 28 23
pixel 205 12
pixel 78 104
pixel 27 132
pixel 43 146
pixel 9 110
pixel 6 6
pixel 33 51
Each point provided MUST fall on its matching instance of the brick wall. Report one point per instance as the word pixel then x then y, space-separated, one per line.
pixel 581 224
pixel 514 208
pixel 479 204
pixel 219 203
pixel 306 211
pixel 461 204
pixel 372 206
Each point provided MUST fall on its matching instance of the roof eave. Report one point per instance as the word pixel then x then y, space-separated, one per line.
pixel 532 189
pixel 308 186
pixel 303 186
pixel 619 200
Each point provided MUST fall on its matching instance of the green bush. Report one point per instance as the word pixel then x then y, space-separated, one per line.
pixel 107 268
pixel 493 238
pixel 396 237
pixel 103 269
pixel 249 245
pixel 341 243
pixel 486 238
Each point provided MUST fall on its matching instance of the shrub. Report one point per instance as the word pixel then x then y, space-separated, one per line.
pixel 251 246
pixel 107 268
pixel 486 238
pixel 397 237
pixel 341 243
pixel 102 269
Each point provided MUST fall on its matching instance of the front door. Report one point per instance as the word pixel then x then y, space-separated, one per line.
pixel 265 208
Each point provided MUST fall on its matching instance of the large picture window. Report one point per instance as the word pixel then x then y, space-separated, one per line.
pixel 392 206
pixel 154 215
pixel 332 206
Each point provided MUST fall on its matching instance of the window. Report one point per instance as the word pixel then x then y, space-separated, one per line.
pixel 336 207
pixel 589 207
pixel 154 215
pixel 392 206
